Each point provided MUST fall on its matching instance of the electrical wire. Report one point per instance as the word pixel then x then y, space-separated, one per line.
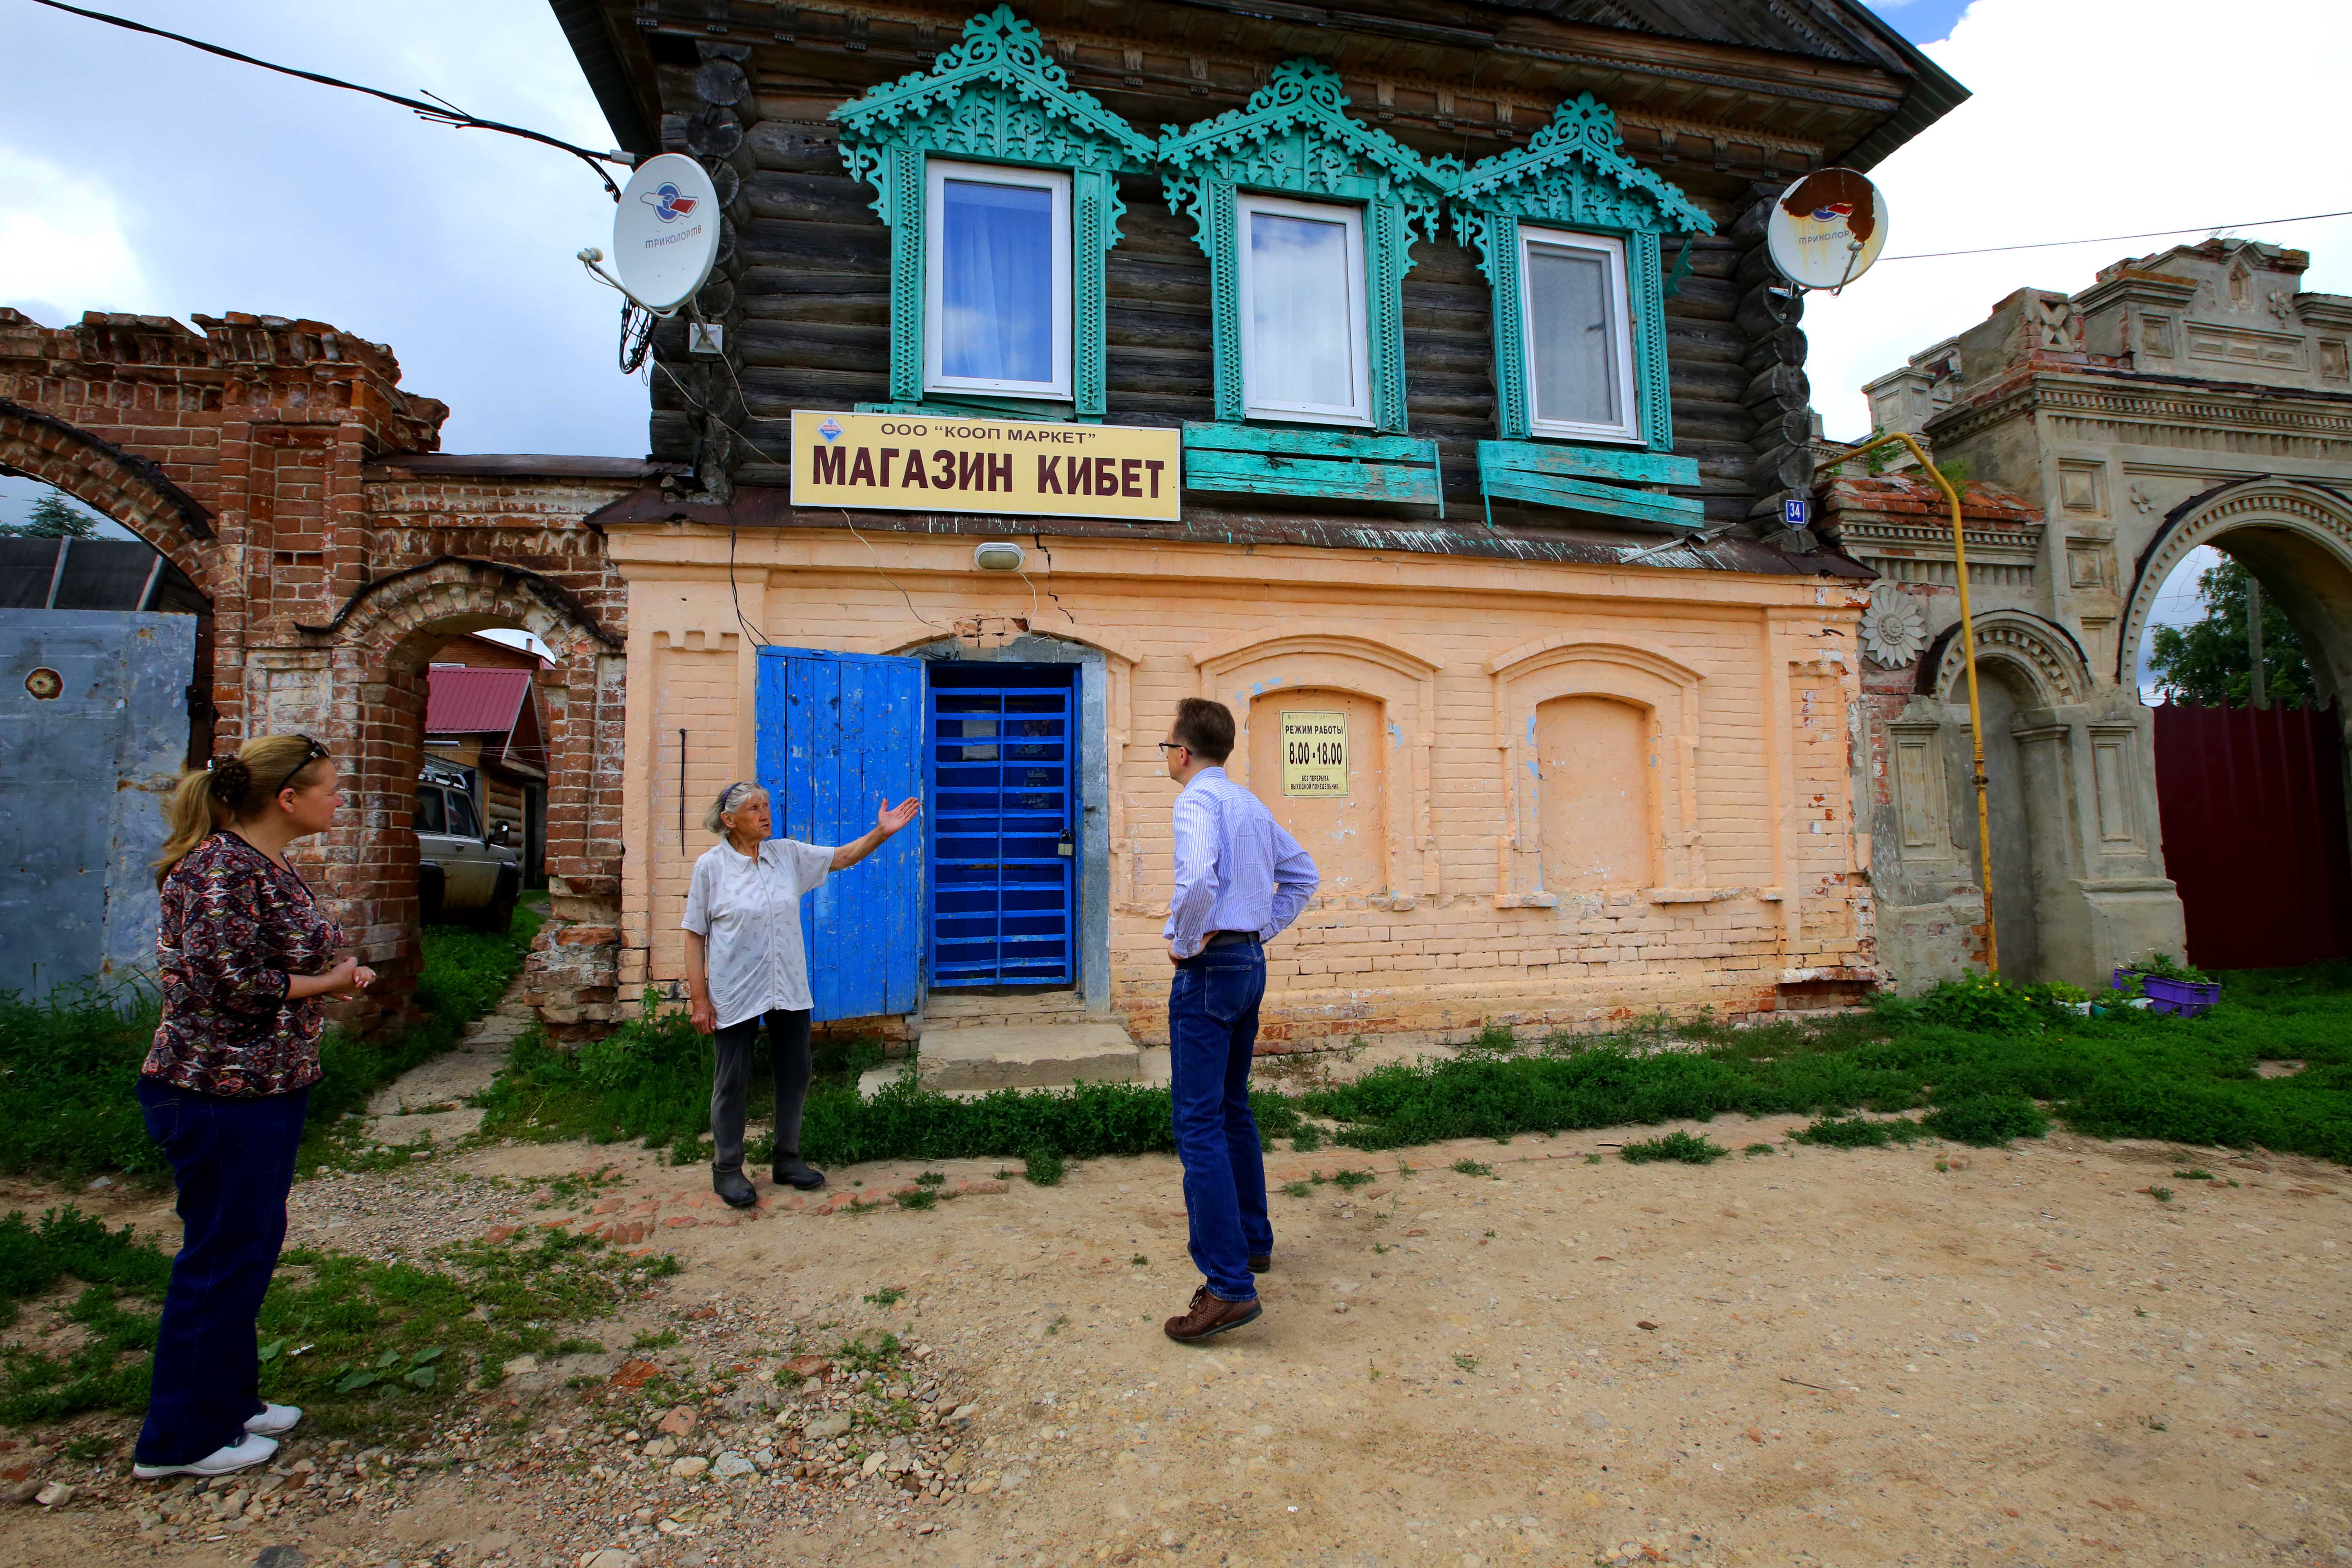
pixel 2214 228
pixel 770 457
pixel 440 112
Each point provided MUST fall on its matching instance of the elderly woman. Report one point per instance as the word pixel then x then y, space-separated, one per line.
pixel 247 955
pixel 745 962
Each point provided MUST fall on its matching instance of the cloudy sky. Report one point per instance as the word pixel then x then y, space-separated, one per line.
pixel 214 187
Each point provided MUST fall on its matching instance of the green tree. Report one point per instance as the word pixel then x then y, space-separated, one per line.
pixel 2208 661
pixel 54 517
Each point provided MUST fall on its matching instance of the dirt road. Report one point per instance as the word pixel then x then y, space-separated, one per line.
pixel 1925 1355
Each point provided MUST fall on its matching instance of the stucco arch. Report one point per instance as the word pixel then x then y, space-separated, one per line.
pixel 2045 654
pixel 127 488
pixel 2295 535
pixel 1401 677
pixel 1665 691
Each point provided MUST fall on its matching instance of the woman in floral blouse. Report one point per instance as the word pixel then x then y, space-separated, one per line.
pixel 246 954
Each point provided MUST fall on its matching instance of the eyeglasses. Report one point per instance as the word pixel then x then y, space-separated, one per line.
pixel 1174 746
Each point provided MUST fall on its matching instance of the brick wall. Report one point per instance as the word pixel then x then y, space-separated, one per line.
pixel 281 466
pixel 1750 684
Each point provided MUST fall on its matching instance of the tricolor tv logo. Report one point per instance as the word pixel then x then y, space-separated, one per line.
pixel 668 205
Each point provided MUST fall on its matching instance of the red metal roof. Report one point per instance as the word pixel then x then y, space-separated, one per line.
pixel 466 701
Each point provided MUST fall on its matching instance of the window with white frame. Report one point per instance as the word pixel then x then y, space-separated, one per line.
pixel 1305 353
pixel 1579 336
pixel 996 280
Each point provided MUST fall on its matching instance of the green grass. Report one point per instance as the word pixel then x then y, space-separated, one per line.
pixel 1977 1056
pixel 68 1065
pixel 1977 1062
pixel 362 1344
pixel 651 1081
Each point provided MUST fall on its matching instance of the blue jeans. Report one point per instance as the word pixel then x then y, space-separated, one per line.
pixel 1212 1029
pixel 233 1163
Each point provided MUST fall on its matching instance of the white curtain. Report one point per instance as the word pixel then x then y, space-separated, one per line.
pixel 1571 319
pixel 1302 341
pixel 998 289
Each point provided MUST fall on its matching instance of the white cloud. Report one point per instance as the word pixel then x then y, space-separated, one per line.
pixel 182 184
pixel 2091 118
pixel 62 248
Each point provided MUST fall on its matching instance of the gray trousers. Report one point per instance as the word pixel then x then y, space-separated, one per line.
pixel 788 1060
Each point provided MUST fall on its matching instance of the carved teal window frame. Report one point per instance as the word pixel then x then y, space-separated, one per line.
pixel 998 97
pixel 1295 138
pixel 1573 176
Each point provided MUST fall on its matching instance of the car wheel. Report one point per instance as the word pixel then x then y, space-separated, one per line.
pixel 500 914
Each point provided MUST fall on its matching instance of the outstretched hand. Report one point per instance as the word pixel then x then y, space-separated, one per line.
pixel 888 820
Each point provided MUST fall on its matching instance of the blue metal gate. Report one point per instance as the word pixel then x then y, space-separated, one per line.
pixel 838 735
pixel 1003 853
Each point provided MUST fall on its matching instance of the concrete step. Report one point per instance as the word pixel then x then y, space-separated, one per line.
pixel 952 1010
pixel 979 1058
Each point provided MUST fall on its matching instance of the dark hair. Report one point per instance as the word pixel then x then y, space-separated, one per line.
pixel 1206 728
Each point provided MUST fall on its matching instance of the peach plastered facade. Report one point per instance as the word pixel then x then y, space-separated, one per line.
pixel 1578 794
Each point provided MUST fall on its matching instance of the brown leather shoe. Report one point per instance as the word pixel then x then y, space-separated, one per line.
pixel 1210 1316
pixel 1260 1262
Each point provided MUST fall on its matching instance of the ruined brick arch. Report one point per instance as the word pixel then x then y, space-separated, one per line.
pixel 122 485
pixel 376 652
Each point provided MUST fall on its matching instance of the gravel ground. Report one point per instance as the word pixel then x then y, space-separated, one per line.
pixel 1922 1355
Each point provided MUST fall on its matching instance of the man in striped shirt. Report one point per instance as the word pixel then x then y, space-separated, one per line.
pixel 1240 881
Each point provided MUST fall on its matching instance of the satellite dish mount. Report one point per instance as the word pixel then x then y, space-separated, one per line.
pixel 665 232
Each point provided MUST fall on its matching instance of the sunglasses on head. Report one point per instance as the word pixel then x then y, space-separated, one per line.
pixel 317 751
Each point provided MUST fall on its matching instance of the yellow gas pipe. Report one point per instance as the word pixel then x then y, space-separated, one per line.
pixel 1968 657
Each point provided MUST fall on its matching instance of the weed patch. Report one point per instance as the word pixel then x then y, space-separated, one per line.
pixel 360 1344
pixel 1853 1132
pixel 1676 1146
pixel 1987 1119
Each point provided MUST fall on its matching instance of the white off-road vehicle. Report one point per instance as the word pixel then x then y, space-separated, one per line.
pixel 463 873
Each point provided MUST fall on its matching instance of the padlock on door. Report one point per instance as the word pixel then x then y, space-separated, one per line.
pixel 1065 848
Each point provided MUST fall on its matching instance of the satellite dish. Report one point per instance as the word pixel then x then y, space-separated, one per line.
pixel 665 232
pixel 1827 228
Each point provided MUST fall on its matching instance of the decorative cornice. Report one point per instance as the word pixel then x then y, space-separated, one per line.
pixel 1000 53
pixel 2237 405
pixel 1575 171
pixel 1295 134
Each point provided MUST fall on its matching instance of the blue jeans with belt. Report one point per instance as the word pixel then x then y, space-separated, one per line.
pixel 1212 1030
pixel 233 1161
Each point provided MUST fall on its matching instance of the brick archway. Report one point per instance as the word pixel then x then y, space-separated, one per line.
pixel 377 649
pixel 127 488
pixel 281 464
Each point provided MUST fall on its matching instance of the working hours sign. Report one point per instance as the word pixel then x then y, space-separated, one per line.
pixel 1016 467
pixel 1315 755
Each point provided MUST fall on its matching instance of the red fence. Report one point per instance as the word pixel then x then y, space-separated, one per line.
pixel 2253 807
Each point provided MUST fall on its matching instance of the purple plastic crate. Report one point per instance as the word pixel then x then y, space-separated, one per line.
pixel 2188 998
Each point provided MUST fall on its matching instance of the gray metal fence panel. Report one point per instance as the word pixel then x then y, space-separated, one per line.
pixel 82 778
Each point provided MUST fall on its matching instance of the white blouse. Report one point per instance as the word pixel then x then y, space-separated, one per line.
pixel 748 913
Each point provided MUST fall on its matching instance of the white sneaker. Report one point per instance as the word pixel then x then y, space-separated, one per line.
pixel 244 1454
pixel 274 1419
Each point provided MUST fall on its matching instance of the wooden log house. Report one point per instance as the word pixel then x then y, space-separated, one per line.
pixel 1455 319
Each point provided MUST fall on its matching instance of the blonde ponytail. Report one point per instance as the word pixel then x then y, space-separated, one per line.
pixel 230 789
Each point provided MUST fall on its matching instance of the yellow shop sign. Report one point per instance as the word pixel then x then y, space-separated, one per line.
pixel 1018 467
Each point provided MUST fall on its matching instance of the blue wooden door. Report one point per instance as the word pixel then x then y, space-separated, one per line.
pixel 840 733
pixel 1000 744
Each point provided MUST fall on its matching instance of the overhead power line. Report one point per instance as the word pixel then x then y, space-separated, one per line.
pixel 2095 239
pixel 438 112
